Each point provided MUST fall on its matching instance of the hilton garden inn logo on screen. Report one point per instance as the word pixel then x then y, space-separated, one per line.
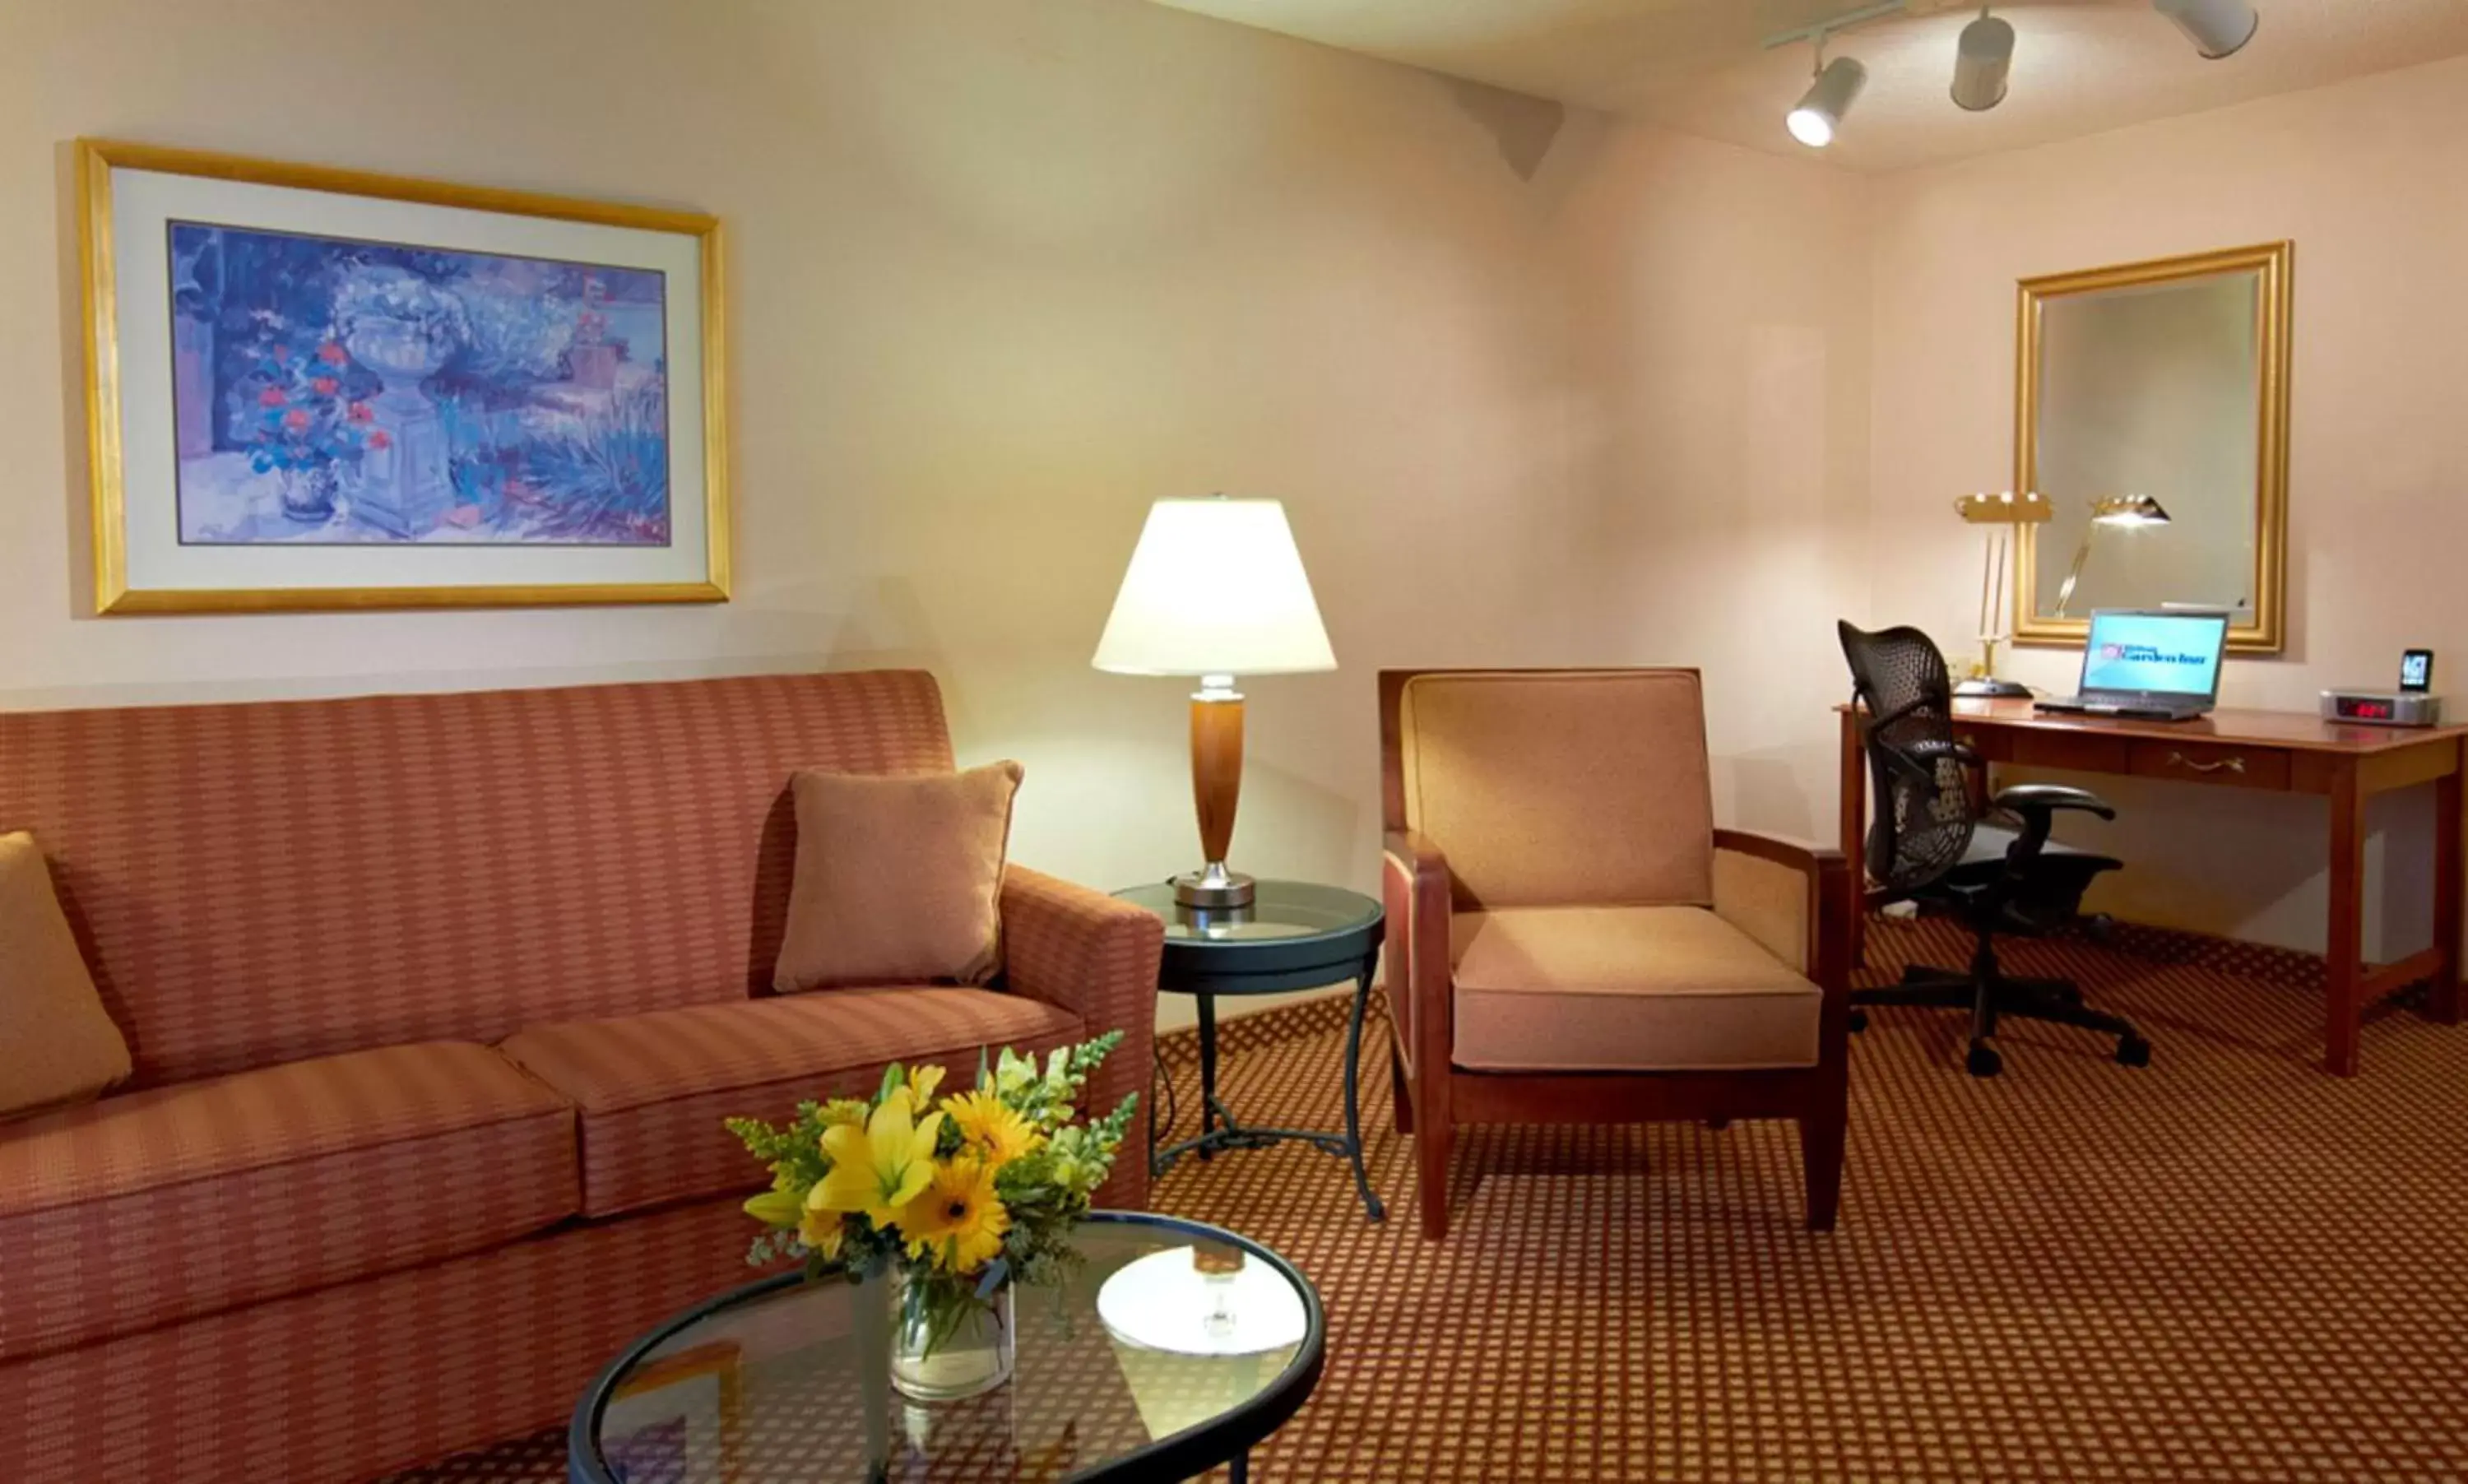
pixel 2148 654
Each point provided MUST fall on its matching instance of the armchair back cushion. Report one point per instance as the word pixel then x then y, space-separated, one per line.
pixel 1562 787
pixel 270 881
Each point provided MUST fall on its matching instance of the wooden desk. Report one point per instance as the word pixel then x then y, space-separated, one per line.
pixel 2277 751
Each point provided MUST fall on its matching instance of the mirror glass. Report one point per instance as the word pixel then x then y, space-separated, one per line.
pixel 2151 424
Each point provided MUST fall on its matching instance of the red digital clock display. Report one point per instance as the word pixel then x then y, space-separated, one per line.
pixel 2369 710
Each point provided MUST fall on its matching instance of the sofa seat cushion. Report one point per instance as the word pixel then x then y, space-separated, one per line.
pixel 181 1201
pixel 654 1088
pixel 1624 989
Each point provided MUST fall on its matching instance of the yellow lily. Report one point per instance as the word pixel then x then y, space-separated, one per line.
pixel 880 1168
pixel 819 1229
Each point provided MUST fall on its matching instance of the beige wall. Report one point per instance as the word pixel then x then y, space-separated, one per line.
pixel 1002 273
pixel 1720 431
pixel 2368 178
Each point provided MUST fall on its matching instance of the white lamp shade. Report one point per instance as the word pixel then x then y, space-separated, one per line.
pixel 1215 587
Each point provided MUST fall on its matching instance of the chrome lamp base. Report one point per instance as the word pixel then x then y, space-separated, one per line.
pixel 1989 688
pixel 1213 888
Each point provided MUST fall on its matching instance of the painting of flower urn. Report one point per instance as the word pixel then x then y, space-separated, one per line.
pixel 377 392
pixel 310 387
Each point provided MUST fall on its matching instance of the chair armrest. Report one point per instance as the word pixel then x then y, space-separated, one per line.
pixel 1096 956
pixel 1416 968
pixel 2047 798
pixel 1794 898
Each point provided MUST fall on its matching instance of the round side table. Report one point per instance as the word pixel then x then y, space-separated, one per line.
pixel 1293 936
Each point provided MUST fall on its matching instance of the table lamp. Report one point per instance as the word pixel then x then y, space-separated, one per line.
pixel 2002 514
pixel 1214 589
pixel 2129 512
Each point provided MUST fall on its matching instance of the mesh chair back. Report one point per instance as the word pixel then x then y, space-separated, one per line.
pixel 1925 813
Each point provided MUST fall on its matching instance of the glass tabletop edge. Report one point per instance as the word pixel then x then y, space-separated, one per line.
pixel 1243 1426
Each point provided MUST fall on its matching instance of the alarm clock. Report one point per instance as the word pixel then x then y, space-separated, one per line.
pixel 2382 708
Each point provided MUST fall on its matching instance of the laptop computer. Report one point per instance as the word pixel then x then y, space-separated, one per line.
pixel 2148 663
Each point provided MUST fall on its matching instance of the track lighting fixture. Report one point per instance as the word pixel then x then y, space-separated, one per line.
pixel 1983 56
pixel 2217 27
pixel 1827 100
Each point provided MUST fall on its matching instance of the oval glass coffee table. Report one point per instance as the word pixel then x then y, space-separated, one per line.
pixel 1174 1347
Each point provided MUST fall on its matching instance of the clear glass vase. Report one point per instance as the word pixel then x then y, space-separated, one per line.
pixel 947 1342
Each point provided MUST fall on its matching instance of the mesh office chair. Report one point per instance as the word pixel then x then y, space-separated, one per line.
pixel 1933 844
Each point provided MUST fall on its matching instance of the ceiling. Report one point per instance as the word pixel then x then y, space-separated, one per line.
pixel 2080 66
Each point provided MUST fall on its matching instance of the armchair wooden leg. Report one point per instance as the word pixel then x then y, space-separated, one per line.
pixel 1401 1096
pixel 1820 1161
pixel 1432 1159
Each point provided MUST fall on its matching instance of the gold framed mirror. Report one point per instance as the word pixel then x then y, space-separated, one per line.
pixel 2151 413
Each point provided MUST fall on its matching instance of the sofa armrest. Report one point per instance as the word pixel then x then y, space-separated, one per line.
pixel 1096 956
pixel 1794 898
pixel 1416 894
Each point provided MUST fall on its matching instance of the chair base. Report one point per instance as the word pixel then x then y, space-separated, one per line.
pixel 1991 996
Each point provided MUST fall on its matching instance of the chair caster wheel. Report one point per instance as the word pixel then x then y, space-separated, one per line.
pixel 2134 1051
pixel 1858 1020
pixel 1982 1060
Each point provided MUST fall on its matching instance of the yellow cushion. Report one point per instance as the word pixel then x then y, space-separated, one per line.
pixel 1624 989
pixel 1583 787
pixel 61 1046
pixel 898 878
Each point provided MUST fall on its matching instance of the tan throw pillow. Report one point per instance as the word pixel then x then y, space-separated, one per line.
pixel 898 877
pixel 62 1047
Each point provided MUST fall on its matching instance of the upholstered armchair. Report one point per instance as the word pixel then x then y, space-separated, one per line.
pixel 1571 940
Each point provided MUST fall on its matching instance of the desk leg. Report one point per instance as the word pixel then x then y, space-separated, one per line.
pixel 2450 880
pixel 2343 950
pixel 1855 834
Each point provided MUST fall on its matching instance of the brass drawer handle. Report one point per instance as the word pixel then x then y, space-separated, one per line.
pixel 2228 765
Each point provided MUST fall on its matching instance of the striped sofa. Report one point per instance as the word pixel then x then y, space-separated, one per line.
pixel 436 1003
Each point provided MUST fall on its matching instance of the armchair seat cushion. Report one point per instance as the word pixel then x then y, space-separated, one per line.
pixel 178 1202
pixel 1624 989
pixel 654 1088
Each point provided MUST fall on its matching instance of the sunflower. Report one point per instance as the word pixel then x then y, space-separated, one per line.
pixel 956 1218
pixel 998 1134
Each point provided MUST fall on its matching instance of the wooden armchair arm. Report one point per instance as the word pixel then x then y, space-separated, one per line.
pixel 1414 885
pixel 1794 898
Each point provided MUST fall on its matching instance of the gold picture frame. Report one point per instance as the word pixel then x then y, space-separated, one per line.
pixel 2272 265
pixel 695 525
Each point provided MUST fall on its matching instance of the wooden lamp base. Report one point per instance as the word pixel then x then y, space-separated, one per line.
pixel 1216 784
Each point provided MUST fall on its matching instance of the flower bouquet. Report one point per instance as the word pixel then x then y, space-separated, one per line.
pixel 952 1199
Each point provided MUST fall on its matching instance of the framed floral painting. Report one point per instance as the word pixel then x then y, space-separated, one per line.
pixel 312 388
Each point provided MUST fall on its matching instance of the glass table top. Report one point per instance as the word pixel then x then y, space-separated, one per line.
pixel 1282 910
pixel 1174 1347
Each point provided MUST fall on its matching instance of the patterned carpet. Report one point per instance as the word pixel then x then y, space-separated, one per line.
pixel 2228 1267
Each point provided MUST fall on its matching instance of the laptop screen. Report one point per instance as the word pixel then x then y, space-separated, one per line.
pixel 2155 654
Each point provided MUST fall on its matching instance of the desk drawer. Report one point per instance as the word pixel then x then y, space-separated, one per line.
pixel 2225 763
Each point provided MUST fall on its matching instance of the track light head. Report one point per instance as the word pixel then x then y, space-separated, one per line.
pixel 1983 56
pixel 1827 100
pixel 2217 27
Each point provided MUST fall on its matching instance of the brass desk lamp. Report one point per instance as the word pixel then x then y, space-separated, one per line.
pixel 2002 514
